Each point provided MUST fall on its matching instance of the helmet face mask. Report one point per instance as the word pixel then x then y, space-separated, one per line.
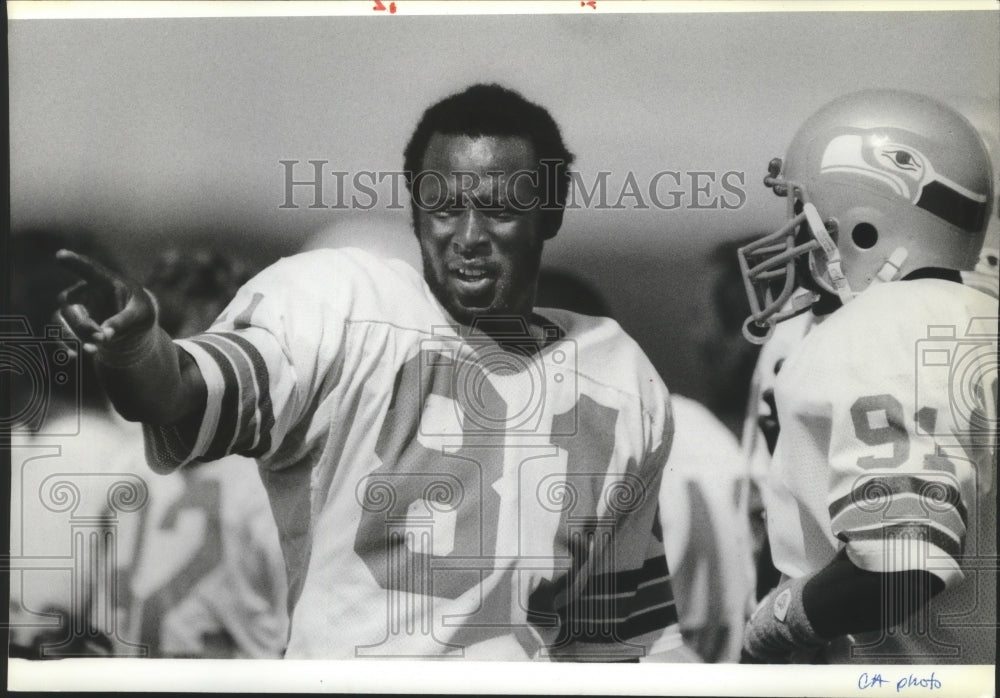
pixel 770 275
pixel 879 184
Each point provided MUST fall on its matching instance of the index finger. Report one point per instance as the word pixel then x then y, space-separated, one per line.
pixel 86 268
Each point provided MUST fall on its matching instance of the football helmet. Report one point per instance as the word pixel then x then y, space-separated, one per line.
pixel 879 184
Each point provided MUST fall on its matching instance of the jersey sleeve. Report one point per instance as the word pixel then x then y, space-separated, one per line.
pixel 901 486
pixel 262 362
pixel 895 520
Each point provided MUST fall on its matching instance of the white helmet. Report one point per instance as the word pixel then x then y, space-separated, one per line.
pixel 879 183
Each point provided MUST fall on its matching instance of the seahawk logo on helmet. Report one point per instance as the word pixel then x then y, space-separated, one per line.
pixel 908 172
pixel 879 184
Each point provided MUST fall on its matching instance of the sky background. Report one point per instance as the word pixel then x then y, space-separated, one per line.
pixel 157 131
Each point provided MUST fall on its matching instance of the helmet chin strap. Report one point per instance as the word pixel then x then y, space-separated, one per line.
pixel 891 269
pixel 837 279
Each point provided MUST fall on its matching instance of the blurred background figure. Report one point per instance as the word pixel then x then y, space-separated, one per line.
pixel 201 568
pixel 727 359
pixel 732 392
pixel 760 434
pixel 70 456
pixel 703 502
pixel 558 288
pixel 381 233
pixel 986 276
pixel 718 521
pixel 703 506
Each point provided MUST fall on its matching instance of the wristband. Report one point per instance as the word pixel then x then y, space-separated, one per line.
pixel 779 626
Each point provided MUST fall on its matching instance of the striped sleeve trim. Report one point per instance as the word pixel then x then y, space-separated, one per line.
pixel 907 547
pixel 653 568
pixel 265 409
pixel 907 532
pixel 882 499
pixel 905 507
pixel 246 400
pixel 230 414
pixel 622 605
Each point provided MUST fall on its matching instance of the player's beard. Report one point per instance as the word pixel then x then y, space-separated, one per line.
pixel 512 292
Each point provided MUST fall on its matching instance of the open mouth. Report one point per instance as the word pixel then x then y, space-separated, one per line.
pixel 473 279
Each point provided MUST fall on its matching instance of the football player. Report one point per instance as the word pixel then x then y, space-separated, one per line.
pixel 453 472
pixel 882 508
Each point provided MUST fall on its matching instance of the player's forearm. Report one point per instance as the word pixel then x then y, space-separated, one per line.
pixel 844 599
pixel 150 379
pixel 805 613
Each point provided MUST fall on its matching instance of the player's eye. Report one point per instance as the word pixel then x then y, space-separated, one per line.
pixel 501 214
pixel 446 212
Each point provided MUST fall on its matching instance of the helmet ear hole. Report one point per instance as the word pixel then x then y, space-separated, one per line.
pixel 864 235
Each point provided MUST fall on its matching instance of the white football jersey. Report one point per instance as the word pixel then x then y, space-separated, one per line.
pixel 887 447
pixel 138 564
pixel 73 485
pixel 707 532
pixel 200 570
pixel 432 491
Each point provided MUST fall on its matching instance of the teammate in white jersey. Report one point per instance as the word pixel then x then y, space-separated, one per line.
pixel 707 532
pixel 759 435
pixel 882 502
pixel 453 472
